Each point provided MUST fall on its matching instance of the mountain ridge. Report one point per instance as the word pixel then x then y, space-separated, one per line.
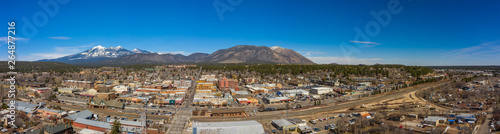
pixel 236 54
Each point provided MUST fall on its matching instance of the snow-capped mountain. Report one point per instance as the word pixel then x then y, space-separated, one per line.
pixel 140 51
pixel 97 53
pixel 100 55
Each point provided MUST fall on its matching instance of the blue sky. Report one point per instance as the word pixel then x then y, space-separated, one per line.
pixel 420 32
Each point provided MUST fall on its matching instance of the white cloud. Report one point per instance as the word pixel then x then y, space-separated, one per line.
pixel 40 56
pixel 367 43
pixel 310 53
pixel 57 52
pixel 483 49
pixel 60 38
pixel 345 60
pixel 6 40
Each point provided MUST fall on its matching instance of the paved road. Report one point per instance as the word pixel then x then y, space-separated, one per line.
pixel 485 127
pixel 183 114
pixel 376 98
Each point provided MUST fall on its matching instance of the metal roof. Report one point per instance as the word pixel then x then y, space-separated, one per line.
pixel 93 123
pixel 283 122
pixel 235 127
pixel 83 114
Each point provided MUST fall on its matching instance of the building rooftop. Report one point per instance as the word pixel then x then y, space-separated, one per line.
pixel 90 131
pixel 51 129
pixel 283 122
pixel 235 127
pixel 232 110
pixel 25 107
pixel 83 114
pixel 93 123
pixel 125 122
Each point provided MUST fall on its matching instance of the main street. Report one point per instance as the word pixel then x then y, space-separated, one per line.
pixel 183 113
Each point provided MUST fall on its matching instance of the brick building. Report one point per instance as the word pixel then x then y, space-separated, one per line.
pixel 228 83
pixel 234 112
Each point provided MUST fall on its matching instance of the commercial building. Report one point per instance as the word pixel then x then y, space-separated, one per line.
pixel 285 125
pixel 103 104
pixel 78 84
pixel 273 100
pixel 233 112
pixel 235 127
pixel 227 83
pixel 92 125
pixel 67 90
pixel 205 87
pixel 294 92
pixel 321 90
pixel 129 126
pixel 121 89
pixel 182 83
pixel 44 112
pixel 86 114
pixel 258 90
pixel 89 93
pixel 28 108
pixel 54 129
pixel 434 121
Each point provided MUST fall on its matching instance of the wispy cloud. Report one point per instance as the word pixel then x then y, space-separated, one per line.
pixel 367 43
pixel 483 49
pixel 60 38
pixel 6 40
pixel 310 53
pixel 57 52
pixel 345 60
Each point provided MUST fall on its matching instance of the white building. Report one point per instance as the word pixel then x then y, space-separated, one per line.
pixel 235 127
pixel 294 92
pixel 121 89
pixel 321 90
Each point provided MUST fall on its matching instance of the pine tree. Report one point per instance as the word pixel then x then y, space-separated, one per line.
pixel 116 128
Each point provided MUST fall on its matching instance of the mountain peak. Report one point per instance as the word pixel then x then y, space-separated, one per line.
pixel 236 54
pixel 98 47
pixel 275 47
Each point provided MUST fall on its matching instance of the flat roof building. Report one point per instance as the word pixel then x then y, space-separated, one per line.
pixel 235 127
